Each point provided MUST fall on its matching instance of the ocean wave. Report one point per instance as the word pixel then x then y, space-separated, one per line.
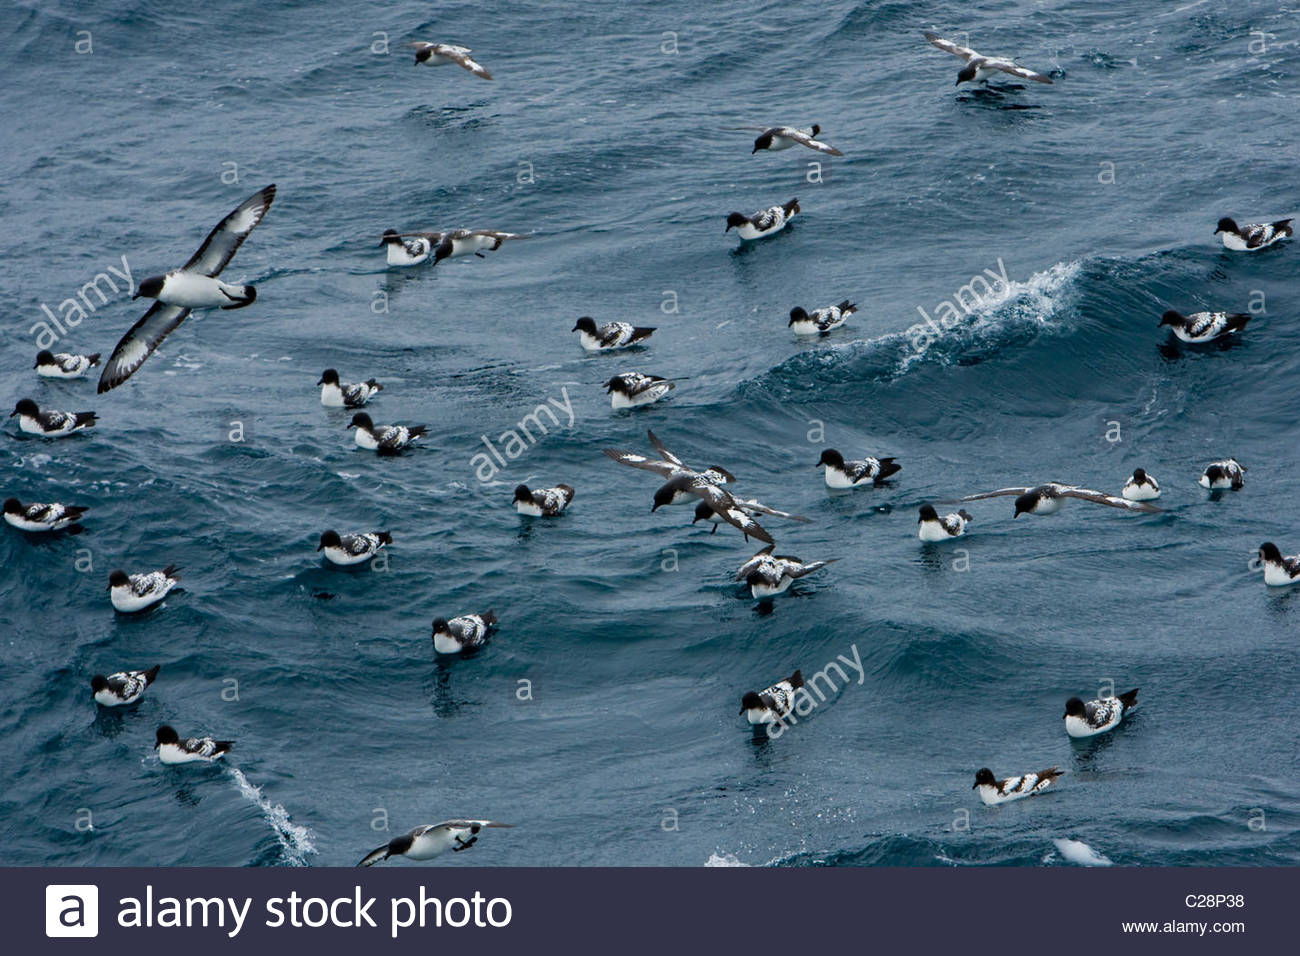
pixel 1013 312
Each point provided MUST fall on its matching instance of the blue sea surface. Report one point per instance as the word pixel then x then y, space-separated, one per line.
pixel 602 719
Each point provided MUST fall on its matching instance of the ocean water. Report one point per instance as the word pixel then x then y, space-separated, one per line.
pixel 602 719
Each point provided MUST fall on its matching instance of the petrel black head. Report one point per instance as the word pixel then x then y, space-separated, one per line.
pixel 1025 504
pixel 1171 317
pixel 966 75
pixel 1216 473
pixel 735 220
pixel 522 493
pixel 1073 708
pixel 797 314
pixel 329 377
pixel 13 506
pixel 44 357
pixel 149 288
pixel 1268 551
pixel 98 682
pixel 928 513
pixel 702 512
pixel 117 579
pixel 26 407
pixel 1225 225
pixel 763 142
pixel 442 251
pixel 361 420
pixel 615 384
pixel 329 539
pixel 390 236
pixel 751 701
pixel 984 775
pixel 165 735
pixel 1139 475
pixel 664 496
pixel 440 625
pixel 831 458
pixel 398 845
pixel 816 130
pixel 585 324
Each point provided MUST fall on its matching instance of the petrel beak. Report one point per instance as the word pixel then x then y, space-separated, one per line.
pixel 133 298
pixel 319 547
pixel 975 784
pixel 574 329
pixel 654 507
pixel 321 382
pixel 728 229
pixel 958 83
pixel 13 413
pixel 742 710
pixel 37 365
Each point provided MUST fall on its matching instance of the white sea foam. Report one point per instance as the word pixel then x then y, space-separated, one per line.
pixel 296 840
pixel 723 859
pixel 1076 851
pixel 1037 300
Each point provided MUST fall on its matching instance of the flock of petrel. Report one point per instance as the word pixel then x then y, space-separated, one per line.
pixel 197 285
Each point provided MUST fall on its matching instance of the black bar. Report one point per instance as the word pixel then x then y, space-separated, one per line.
pixel 653 911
